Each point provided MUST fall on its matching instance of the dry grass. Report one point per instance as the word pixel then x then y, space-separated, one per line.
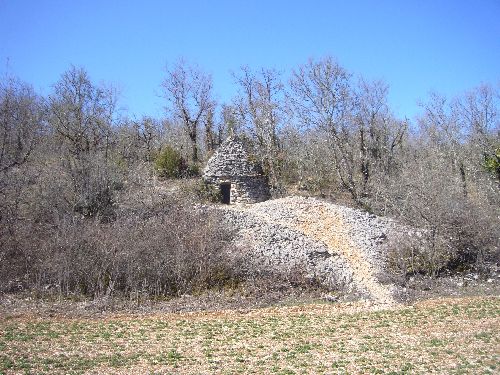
pixel 443 335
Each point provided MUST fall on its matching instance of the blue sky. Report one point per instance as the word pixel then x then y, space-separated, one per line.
pixel 415 46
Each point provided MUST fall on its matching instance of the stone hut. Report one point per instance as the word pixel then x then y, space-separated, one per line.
pixel 239 180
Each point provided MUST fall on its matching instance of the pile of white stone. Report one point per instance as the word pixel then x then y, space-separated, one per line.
pixel 272 247
pixel 271 233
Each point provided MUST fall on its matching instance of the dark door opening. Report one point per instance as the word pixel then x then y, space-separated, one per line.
pixel 225 190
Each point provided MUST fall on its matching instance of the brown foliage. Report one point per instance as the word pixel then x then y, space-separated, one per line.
pixel 168 251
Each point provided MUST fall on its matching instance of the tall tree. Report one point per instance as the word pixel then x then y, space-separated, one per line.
pixel 260 107
pixel 322 99
pixel 81 112
pixel 82 115
pixel 21 118
pixel 379 134
pixel 21 124
pixel 478 115
pixel 188 92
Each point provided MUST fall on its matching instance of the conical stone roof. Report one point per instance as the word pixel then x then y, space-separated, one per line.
pixel 230 160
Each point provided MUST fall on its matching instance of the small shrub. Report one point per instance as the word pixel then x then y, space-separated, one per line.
pixel 170 163
pixel 417 252
pixel 458 241
pixel 492 163
pixel 208 193
pixel 192 170
pixel 99 204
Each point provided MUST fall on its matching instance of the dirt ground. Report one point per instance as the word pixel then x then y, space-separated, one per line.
pixel 440 335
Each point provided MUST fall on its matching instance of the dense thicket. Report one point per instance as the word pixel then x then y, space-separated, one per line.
pixel 78 211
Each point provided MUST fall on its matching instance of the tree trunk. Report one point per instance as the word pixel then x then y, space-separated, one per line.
pixel 194 144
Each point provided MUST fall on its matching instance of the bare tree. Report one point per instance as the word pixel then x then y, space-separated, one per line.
pixel 379 134
pixel 21 129
pixel 478 115
pixel 322 99
pixel 20 122
pixel 189 99
pixel 138 140
pixel 259 106
pixel 81 112
pixel 209 131
pixel 81 115
pixel 352 118
pixel 444 131
pixel 148 134
pixel 464 130
pixel 443 186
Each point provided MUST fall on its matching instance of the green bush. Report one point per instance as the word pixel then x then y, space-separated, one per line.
pixel 208 193
pixel 192 170
pixel 492 163
pixel 169 163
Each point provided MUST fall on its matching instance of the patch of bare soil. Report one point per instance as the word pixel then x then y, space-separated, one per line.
pixel 447 335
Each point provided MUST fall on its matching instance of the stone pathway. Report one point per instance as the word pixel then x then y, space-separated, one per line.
pixel 342 230
pixel 323 225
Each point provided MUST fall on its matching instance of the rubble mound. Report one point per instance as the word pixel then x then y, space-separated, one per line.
pixel 342 248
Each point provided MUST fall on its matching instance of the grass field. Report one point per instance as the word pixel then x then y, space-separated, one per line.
pixel 443 336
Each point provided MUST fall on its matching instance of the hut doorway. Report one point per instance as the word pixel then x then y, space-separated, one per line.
pixel 225 190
